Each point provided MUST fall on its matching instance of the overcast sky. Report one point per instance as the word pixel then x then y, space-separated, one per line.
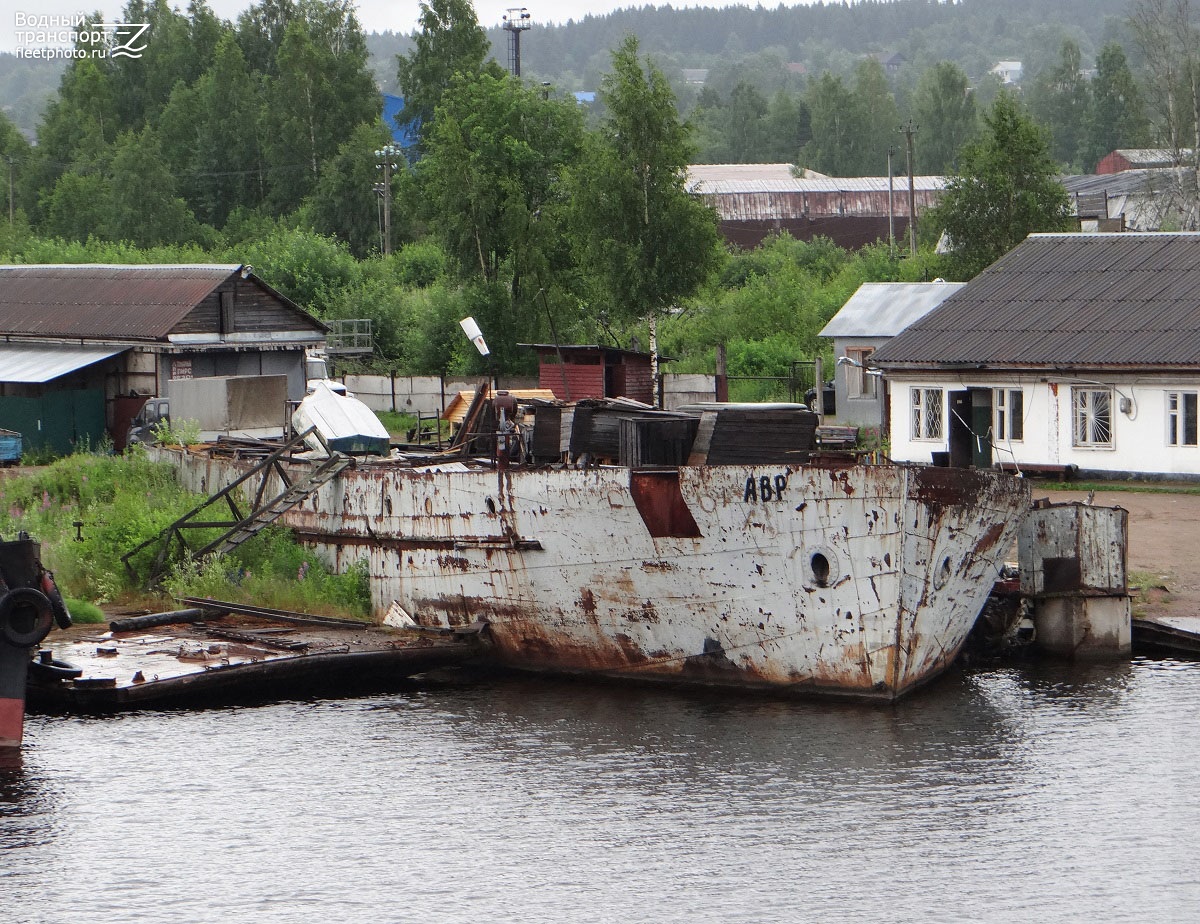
pixel 375 15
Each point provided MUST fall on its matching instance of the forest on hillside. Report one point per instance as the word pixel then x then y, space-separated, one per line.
pixel 741 42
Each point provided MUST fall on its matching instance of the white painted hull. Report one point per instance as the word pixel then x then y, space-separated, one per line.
pixel 690 575
pixel 683 575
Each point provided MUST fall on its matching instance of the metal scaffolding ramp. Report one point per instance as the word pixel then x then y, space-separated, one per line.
pixel 238 526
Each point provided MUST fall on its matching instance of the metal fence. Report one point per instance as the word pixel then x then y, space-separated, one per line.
pixel 793 387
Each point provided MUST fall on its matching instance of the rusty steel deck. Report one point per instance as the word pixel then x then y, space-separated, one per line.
pixel 216 661
pixel 857 581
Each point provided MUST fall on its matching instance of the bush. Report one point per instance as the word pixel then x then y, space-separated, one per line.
pixel 273 571
pixel 123 501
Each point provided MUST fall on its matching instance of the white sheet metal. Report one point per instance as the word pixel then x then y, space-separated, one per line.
pixel 32 363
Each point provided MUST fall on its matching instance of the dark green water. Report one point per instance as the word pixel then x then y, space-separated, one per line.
pixel 1036 794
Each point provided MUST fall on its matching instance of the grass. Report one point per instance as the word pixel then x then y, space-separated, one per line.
pixel 87 510
pixel 83 612
pixel 399 425
pixel 1146 587
pixel 1134 487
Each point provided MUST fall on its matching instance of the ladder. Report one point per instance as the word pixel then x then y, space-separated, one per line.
pixel 238 526
pixel 264 516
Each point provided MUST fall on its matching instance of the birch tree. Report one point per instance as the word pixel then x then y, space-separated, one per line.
pixel 1168 33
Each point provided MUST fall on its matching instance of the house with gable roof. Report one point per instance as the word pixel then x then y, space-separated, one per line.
pixel 83 345
pixel 875 313
pixel 1073 352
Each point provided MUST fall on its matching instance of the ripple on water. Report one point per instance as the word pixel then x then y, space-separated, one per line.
pixel 1049 791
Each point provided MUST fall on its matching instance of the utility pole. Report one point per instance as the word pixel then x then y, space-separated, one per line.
pixel 891 210
pixel 9 158
pixel 387 158
pixel 909 131
pixel 514 22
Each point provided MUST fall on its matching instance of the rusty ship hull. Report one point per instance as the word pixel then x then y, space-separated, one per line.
pixel 859 581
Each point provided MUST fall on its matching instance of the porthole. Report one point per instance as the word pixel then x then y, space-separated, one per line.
pixel 490 504
pixel 824 570
pixel 942 575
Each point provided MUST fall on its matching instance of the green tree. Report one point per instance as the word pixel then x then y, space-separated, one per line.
pixel 835 128
pixel 1116 117
pixel 490 185
pixel 1168 34
pixel 345 204
pixel 260 31
pixel 77 128
pixel 878 118
pixel 322 91
pixel 1006 187
pixel 745 119
pixel 15 156
pixel 178 49
pixel 143 206
pixel 644 241
pixel 944 108
pixel 852 127
pixel 77 207
pixel 1059 98
pixel 788 127
pixel 211 135
pixel 450 42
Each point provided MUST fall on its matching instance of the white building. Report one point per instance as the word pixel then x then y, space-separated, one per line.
pixel 873 315
pixel 1074 351
pixel 1009 72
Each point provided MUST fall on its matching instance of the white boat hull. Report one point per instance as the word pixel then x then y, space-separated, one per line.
pixel 860 581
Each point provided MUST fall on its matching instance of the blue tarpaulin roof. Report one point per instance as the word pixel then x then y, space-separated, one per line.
pixel 403 135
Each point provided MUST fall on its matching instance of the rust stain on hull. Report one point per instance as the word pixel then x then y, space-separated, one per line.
pixel 859 581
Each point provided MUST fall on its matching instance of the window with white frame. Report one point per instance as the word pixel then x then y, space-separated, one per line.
pixel 926 406
pixel 1181 418
pixel 1091 417
pixel 859 382
pixel 1009 414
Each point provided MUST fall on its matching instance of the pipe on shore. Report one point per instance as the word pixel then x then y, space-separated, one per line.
pixel 137 623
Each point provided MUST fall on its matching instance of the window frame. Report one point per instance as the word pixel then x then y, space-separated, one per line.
pixel 1008 422
pixel 1102 416
pixel 859 383
pixel 918 407
pixel 1177 418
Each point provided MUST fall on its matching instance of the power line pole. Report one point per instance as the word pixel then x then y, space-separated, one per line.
pixel 9 158
pixel 891 209
pixel 387 162
pixel 910 130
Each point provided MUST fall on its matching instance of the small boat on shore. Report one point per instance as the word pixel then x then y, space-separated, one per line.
pixel 718 546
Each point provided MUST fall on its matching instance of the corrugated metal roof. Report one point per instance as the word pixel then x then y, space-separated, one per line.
pixel 1126 299
pixel 884 309
pixel 1146 181
pixel 722 179
pixel 1151 156
pixel 32 363
pixel 123 302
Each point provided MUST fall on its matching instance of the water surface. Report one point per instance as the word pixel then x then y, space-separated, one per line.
pixel 1045 793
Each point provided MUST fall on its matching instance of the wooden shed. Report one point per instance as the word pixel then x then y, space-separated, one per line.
pixel 83 345
pixel 577 372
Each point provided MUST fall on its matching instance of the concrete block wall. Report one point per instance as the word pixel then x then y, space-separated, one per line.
pixel 429 394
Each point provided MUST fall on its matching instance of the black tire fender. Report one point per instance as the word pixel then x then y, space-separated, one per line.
pixel 25 617
pixel 53 669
